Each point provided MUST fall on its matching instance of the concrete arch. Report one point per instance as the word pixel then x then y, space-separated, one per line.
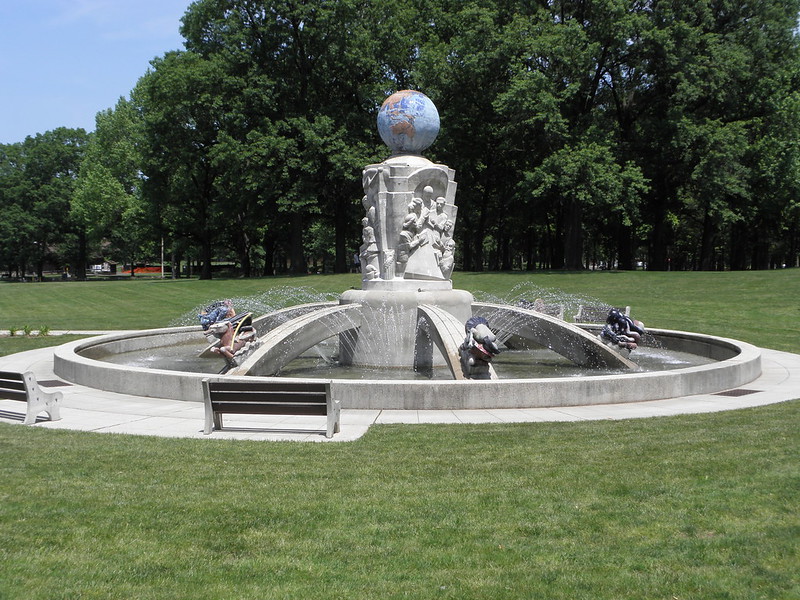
pixel 440 328
pixel 290 339
pixel 564 338
pixel 271 320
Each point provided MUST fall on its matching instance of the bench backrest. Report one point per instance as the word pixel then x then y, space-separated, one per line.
pixel 553 310
pixel 12 386
pixel 268 397
pixel 595 314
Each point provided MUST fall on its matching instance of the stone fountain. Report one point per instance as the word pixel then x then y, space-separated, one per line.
pixel 408 316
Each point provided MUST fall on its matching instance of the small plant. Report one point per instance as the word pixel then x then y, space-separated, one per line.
pixel 26 330
pixel 44 330
pixel 12 331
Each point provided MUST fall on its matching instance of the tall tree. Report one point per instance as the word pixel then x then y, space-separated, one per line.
pixel 107 204
pixel 300 94
pixel 38 181
pixel 182 116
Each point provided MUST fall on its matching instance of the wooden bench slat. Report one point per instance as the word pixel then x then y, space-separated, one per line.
pixel 10 394
pixel 269 409
pixel 271 397
pixel 12 384
pixel 221 386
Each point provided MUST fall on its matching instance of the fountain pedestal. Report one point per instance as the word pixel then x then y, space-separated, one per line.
pixel 387 335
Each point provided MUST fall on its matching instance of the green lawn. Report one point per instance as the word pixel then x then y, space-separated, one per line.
pixel 696 506
pixel 760 307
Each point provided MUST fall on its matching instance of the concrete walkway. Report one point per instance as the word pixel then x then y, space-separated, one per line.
pixel 88 409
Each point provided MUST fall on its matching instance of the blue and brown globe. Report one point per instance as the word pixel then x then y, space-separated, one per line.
pixel 408 122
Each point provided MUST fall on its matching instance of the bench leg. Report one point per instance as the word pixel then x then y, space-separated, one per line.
pixel 334 417
pixel 209 425
pixel 213 422
pixel 40 401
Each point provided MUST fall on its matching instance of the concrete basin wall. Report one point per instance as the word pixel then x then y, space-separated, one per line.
pixel 739 364
pixel 154 383
pixel 727 374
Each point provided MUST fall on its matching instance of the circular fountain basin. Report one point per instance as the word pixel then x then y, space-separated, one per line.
pixel 734 364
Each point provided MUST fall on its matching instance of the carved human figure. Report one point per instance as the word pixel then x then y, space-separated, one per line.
pixel 439 218
pixel 408 242
pixel 369 249
pixel 427 197
pixel 444 233
pixel 425 222
pixel 447 231
pixel 447 261
pixel 389 263
pixel 369 210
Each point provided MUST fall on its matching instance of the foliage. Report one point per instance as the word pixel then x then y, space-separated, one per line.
pixel 37 178
pixel 581 133
pixel 107 204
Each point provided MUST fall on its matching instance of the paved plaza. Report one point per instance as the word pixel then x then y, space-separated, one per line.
pixel 88 409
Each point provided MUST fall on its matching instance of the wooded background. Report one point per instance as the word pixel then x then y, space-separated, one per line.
pixel 584 134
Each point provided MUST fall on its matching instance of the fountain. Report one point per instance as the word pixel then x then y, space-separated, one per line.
pixel 408 316
pixel 407 304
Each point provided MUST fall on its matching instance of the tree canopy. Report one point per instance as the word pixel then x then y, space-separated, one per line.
pixel 582 133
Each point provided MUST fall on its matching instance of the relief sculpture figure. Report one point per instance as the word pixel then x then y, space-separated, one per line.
pixel 369 251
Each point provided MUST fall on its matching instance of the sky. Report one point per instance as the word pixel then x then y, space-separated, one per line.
pixel 63 61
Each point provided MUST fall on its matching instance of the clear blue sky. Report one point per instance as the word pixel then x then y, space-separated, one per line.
pixel 63 61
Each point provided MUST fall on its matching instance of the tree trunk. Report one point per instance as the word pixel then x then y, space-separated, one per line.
pixel 297 256
pixel 707 244
pixel 340 221
pixel 269 254
pixel 80 268
pixel 207 253
pixel 573 237
pixel 175 265
pixel 738 247
pixel 625 248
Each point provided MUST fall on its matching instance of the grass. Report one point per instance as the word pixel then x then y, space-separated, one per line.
pixel 759 307
pixel 12 345
pixel 702 506
pixel 698 506
pixel 134 304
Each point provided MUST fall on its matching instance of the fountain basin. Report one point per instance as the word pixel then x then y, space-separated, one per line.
pixel 738 364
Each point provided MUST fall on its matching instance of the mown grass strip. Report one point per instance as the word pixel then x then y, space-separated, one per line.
pixel 700 506
pixel 759 307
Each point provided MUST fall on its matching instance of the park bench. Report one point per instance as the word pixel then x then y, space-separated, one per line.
pixel 284 397
pixel 552 310
pixel 24 388
pixel 595 314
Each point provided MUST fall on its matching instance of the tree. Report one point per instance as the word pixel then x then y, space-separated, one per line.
pixel 182 115
pixel 38 177
pixel 299 95
pixel 107 205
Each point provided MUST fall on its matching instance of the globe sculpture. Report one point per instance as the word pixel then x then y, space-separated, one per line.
pixel 408 122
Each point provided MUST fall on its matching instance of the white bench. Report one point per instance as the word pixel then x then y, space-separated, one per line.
pixel 24 388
